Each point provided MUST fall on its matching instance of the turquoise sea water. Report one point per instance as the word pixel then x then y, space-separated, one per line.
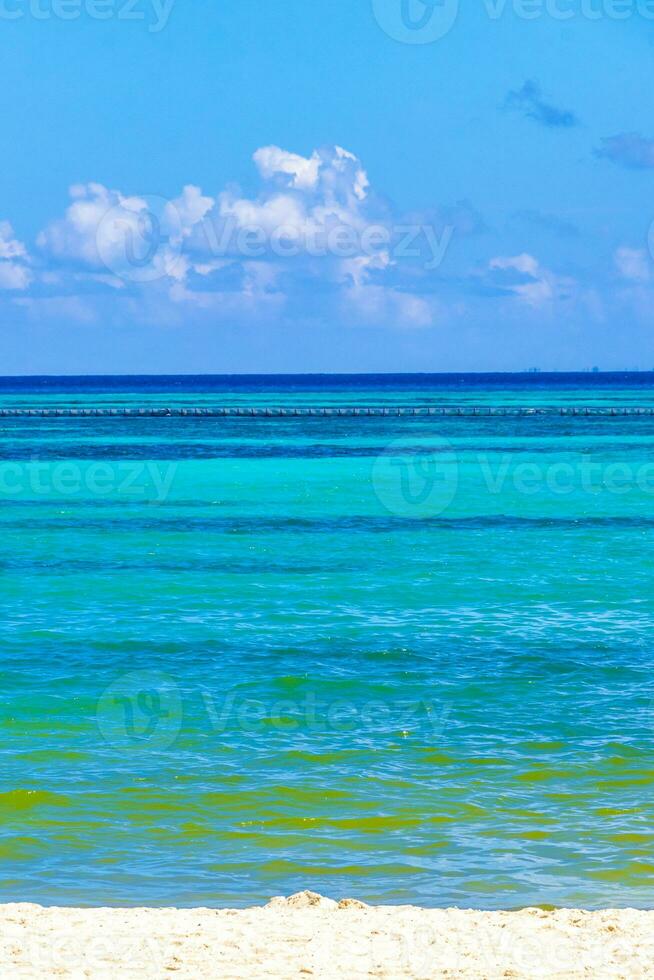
pixel 405 659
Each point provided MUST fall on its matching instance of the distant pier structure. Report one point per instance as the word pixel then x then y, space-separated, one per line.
pixel 325 411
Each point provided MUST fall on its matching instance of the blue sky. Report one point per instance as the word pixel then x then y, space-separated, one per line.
pixel 276 185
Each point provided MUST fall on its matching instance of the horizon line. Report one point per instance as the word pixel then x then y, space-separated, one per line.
pixel 528 372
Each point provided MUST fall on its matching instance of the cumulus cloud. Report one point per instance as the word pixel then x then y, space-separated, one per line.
pixel 299 172
pixel 529 101
pixel 189 209
pixel 302 201
pixel 316 195
pixel 15 273
pixel 313 243
pixel 313 227
pixel 629 150
pixel 75 236
pixel 137 238
pixel 524 277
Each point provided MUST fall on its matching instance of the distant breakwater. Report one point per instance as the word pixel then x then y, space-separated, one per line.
pixel 264 411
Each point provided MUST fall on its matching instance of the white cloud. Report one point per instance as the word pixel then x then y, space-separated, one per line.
pixel 319 194
pixel 14 276
pixel 15 273
pixel 10 247
pixel 139 239
pixel 144 238
pixel 188 210
pixel 301 171
pixel 360 183
pixel 75 235
pixel 269 215
pixel 359 269
pixel 534 285
pixel 306 234
pixel 383 306
pixel 380 304
pixel 259 295
pixel 327 167
pixel 633 264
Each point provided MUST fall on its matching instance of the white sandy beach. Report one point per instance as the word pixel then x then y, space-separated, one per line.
pixel 308 936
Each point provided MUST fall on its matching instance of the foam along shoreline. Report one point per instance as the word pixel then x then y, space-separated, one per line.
pixel 309 936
